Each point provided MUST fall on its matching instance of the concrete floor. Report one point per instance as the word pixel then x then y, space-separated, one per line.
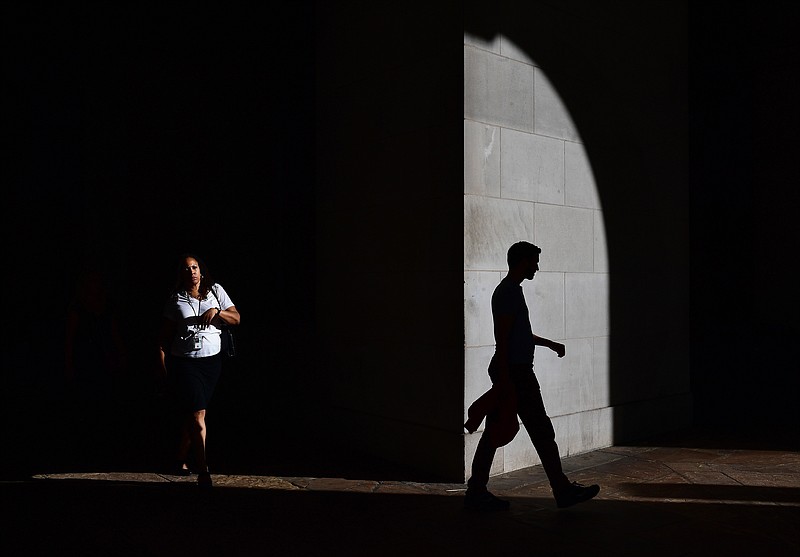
pixel 692 493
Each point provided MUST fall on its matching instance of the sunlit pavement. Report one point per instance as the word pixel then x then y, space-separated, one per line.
pixel 687 495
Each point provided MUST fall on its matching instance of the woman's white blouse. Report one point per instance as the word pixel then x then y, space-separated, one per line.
pixel 185 312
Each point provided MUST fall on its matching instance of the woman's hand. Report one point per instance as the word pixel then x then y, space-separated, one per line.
pixel 205 319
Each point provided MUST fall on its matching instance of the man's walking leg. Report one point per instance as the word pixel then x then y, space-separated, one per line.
pixel 478 497
pixel 540 428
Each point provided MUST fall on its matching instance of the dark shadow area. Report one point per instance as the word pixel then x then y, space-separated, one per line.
pixel 133 137
pixel 743 121
pixel 753 437
pixel 311 452
pixel 102 518
pixel 733 493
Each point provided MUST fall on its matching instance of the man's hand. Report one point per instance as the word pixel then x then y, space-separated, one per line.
pixel 556 347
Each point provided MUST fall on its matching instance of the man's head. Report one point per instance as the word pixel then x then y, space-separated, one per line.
pixel 524 256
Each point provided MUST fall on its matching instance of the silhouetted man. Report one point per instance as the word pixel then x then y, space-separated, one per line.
pixel 511 371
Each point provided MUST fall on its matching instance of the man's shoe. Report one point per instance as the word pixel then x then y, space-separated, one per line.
pixel 484 501
pixel 576 493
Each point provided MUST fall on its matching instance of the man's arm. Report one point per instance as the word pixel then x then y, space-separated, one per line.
pixel 556 347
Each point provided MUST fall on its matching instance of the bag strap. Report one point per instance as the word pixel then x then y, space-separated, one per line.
pixel 226 328
pixel 218 302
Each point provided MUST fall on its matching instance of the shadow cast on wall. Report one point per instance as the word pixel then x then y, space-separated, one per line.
pixel 671 101
pixel 623 78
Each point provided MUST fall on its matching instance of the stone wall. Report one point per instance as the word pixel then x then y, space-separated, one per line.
pixel 401 349
pixel 527 177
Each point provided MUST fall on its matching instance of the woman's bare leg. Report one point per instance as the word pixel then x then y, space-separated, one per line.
pixel 184 444
pixel 198 439
pixel 199 445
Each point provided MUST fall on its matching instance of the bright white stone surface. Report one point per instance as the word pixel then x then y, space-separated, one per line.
pixel 600 249
pixel 586 305
pixel 601 388
pixel 481 159
pixel 470 444
pixel 561 426
pixel 533 167
pixel 490 227
pixel 589 430
pixel 476 378
pixel 576 380
pixel 497 90
pixel 545 298
pixel 478 324
pixel 566 236
pixel 579 184
pixel 551 116
pixel 520 453
pixel 563 380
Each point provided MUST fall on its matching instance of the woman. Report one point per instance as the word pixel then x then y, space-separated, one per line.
pixel 190 354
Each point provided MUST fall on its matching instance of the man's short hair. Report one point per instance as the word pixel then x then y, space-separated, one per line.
pixel 521 251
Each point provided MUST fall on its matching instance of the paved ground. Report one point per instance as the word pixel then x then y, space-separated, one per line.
pixel 688 494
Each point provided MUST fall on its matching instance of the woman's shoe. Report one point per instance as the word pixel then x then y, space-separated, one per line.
pixel 204 480
pixel 180 469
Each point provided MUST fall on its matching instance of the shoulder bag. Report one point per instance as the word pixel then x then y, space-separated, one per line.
pixel 226 336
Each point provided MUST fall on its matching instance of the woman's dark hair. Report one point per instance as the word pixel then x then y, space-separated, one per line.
pixel 206 280
pixel 521 251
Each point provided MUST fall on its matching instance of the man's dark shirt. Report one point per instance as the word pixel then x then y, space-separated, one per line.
pixel 508 299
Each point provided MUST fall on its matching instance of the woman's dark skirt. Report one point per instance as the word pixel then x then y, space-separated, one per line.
pixel 193 381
